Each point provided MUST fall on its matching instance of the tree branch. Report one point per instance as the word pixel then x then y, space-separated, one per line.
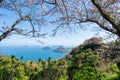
pixel 101 25
pixel 4 35
pixel 12 28
pixel 1 1
pixel 105 15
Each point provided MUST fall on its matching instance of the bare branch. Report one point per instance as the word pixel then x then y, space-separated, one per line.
pixel 4 35
pixel 12 28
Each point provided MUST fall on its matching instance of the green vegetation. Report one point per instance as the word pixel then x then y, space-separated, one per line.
pixel 83 63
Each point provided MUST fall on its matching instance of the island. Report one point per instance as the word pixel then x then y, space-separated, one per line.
pixel 25 46
pixel 47 48
pixel 61 50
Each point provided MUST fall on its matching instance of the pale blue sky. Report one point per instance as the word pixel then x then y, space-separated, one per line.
pixel 73 39
pixel 70 40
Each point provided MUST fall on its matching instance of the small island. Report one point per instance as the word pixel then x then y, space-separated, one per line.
pixel 61 50
pixel 25 46
pixel 47 48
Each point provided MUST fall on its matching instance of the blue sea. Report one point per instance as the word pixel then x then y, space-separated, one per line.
pixel 31 52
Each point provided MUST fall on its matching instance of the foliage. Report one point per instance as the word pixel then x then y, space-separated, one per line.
pixel 91 46
pixel 88 70
pixel 80 66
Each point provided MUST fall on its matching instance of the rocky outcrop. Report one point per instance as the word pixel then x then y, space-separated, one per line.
pixel 95 40
pixel 92 43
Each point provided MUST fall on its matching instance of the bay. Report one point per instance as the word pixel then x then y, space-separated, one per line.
pixel 30 53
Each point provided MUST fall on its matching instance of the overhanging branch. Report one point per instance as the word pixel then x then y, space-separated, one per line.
pixel 103 13
pixel 12 28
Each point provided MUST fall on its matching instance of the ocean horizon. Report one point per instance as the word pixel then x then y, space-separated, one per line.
pixel 31 52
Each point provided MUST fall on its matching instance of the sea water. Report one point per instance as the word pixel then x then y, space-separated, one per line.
pixel 30 53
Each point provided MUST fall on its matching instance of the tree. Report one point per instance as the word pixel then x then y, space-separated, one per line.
pixel 104 13
pixel 88 70
pixel 64 13
pixel 24 12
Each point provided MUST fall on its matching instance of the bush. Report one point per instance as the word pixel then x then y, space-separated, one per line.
pixel 88 70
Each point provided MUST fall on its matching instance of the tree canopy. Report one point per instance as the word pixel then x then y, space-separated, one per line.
pixel 64 13
pixel 104 13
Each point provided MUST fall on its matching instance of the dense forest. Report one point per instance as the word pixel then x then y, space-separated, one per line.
pixel 91 60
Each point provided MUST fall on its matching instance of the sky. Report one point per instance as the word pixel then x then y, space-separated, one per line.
pixel 66 39
pixel 73 39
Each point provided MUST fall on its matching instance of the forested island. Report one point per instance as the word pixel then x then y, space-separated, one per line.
pixel 61 50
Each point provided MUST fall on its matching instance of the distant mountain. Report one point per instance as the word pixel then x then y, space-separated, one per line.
pixel 61 50
pixel 47 47
pixel 25 46
pixel 56 46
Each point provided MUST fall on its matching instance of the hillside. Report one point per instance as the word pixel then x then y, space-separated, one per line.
pixel 90 61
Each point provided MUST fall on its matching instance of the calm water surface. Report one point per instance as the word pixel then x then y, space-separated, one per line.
pixel 31 53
